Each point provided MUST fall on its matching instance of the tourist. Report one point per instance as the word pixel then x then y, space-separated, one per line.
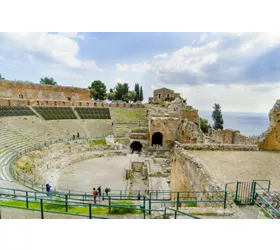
pixel 107 190
pixel 78 135
pixel 99 190
pixel 48 189
pixel 94 193
pixel 73 137
pixel 112 124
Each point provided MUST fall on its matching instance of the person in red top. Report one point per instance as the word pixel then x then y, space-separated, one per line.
pixel 94 193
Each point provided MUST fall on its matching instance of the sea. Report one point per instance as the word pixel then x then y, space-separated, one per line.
pixel 249 124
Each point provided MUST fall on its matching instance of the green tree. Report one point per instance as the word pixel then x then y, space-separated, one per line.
pixel 98 90
pixel 204 125
pixel 48 81
pixel 137 91
pixel 217 117
pixel 131 96
pixel 141 97
pixel 122 91
pixel 1 78
pixel 111 96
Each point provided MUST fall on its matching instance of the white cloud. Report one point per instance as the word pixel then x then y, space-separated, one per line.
pixel 140 67
pixel 71 35
pixel 161 56
pixel 56 47
pixel 31 59
pixel 203 38
pixel 122 67
pixel 238 98
pixel 190 58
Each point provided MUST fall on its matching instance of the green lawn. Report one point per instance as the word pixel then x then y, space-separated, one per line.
pixel 59 206
pixel 128 115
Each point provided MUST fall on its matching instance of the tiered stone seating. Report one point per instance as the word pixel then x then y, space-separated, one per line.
pixel 20 133
pixel 93 113
pixel 55 113
pixel 15 111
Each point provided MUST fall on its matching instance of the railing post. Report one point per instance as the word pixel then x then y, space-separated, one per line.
pixel 14 193
pixel 225 200
pixel 90 211
pixel 268 189
pixel 178 197
pixel 42 188
pixel 253 192
pixel 42 208
pixel 35 196
pixel 121 194
pixel 26 197
pixel 236 192
pixel 150 204
pixel 66 203
pixel 164 215
pixel 175 214
pixel 144 198
pixel 109 204
pixel 156 195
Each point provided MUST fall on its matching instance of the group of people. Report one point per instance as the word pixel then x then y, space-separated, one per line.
pixel 97 192
pixel 78 136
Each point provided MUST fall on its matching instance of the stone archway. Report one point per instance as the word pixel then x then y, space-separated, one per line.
pixel 157 138
pixel 136 146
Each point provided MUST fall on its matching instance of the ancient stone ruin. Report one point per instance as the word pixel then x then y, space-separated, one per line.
pixel 270 139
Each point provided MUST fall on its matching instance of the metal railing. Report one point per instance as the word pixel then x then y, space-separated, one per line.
pixel 40 201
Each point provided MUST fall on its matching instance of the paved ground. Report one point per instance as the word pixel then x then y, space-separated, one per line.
pixel 104 172
pixel 231 166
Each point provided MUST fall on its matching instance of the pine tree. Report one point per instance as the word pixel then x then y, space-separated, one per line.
pixel 141 94
pixel 136 89
pixel 217 117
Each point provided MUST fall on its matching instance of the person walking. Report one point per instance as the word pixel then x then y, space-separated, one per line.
pixel 94 193
pixel 48 189
pixel 107 190
pixel 99 190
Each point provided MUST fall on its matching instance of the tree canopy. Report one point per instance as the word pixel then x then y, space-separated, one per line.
pixel 98 90
pixel 204 125
pixel 217 117
pixel 1 77
pixel 141 94
pixel 48 81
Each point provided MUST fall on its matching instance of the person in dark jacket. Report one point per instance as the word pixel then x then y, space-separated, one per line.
pixel 48 189
pixel 99 190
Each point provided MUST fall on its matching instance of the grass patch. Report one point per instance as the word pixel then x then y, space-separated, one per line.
pixel 123 140
pixel 128 115
pixel 128 208
pixel 58 205
pixel 96 143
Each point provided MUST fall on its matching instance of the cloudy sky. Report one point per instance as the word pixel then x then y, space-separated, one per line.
pixel 241 71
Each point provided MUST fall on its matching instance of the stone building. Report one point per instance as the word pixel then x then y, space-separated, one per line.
pixel 163 94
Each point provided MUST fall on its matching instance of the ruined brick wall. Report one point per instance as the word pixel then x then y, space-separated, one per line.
pixel 189 114
pixel 190 132
pixel 165 125
pixel 229 136
pixel 270 139
pixel 188 173
pixel 27 91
